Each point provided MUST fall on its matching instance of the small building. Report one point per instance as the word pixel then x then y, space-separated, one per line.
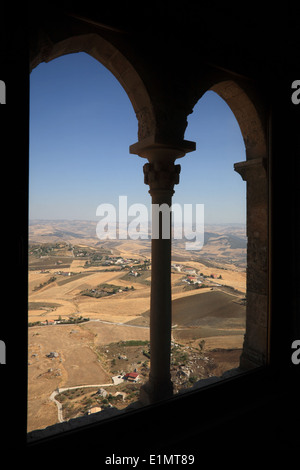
pixel 118 379
pixel 190 271
pixel 131 376
pixel 103 393
pixel 134 273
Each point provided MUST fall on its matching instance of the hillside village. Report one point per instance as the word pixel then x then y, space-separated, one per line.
pixel 43 255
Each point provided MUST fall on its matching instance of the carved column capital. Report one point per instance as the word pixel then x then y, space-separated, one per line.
pixel 160 175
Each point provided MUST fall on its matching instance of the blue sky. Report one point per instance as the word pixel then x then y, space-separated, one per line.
pixel 81 126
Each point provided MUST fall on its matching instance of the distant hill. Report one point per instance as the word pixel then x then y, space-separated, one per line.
pixel 64 234
pixel 224 243
pixel 233 241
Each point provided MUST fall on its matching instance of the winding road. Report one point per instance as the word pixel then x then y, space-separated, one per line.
pixel 60 390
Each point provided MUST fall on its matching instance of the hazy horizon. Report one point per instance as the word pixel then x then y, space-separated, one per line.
pixel 33 220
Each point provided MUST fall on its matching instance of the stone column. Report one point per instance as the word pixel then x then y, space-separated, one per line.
pixel 161 174
pixel 255 349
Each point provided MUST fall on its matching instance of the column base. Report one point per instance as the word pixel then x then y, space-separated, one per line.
pixel 153 392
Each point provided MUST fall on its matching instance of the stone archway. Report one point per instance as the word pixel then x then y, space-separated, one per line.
pixel 255 172
pixel 116 62
pixel 160 141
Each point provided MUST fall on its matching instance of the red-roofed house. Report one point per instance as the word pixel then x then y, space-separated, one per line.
pixel 131 376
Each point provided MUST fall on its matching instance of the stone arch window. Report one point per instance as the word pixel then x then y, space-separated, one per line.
pixel 174 64
pixel 161 146
pixel 135 97
pixel 213 308
pixel 160 173
pixel 245 106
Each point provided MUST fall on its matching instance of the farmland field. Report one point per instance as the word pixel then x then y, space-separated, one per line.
pixel 83 297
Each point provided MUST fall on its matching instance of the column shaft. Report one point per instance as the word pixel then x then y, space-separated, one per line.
pixel 160 305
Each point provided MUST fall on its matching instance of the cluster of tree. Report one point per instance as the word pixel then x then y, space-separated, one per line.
pixel 72 320
pixel 104 290
pixel 43 284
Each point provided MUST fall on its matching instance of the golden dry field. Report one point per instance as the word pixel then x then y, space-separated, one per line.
pixel 63 281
